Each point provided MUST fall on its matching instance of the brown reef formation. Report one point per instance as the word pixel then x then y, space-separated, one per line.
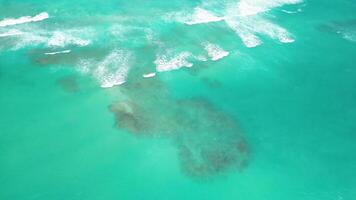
pixel 209 141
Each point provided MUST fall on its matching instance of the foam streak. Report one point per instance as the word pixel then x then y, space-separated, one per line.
pixel 23 20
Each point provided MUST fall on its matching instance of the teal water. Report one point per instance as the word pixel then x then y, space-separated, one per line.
pixel 274 119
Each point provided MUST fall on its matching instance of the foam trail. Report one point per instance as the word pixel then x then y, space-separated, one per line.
pixel 11 32
pixel 165 64
pixel 23 20
pixel 58 52
pixel 61 39
pixel 214 51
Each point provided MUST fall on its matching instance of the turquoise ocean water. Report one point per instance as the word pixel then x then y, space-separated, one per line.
pixel 181 99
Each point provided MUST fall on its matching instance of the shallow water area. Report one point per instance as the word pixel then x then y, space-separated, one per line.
pixel 208 99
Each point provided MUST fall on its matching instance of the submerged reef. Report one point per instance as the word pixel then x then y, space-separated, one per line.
pixel 68 84
pixel 208 141
pixel 211 142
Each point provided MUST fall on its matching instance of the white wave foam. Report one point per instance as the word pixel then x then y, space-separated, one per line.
pixel 149 75
pixel 214 51
pixel 248 27
pixel 113 70
pixel 201 15
pixel 245 8
pixel 201 58
pixel 11 32
pixel 274 31
pixel 29 39
pixel 244 19
pixel 62 39
pixel 164 63
pixel 23 20
pixel 249 39
pixel 350 36
pixel 52 39
pixel 152 37
pixel 84 66
pixel 58 52
pixel 244 30
pixel 253 7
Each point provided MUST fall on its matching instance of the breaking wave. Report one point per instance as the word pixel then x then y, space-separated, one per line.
pixel 244 18
pixel 52 39
pixel 166 63
pixel 113 70
pixel 23 20
pixel 248 7
pixel 214 51
pixel 62 39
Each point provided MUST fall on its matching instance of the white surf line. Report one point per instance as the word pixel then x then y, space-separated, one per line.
pixel 57 52
pixel 149 75
pixel 23 20
pixel 11 33
pixel 291 12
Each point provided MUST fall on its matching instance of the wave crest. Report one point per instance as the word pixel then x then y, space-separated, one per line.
pixel 22 20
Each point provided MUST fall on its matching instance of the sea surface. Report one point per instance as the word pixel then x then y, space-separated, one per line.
pixel 179 99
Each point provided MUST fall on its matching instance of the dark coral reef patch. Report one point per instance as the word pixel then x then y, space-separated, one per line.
pixel 208 140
